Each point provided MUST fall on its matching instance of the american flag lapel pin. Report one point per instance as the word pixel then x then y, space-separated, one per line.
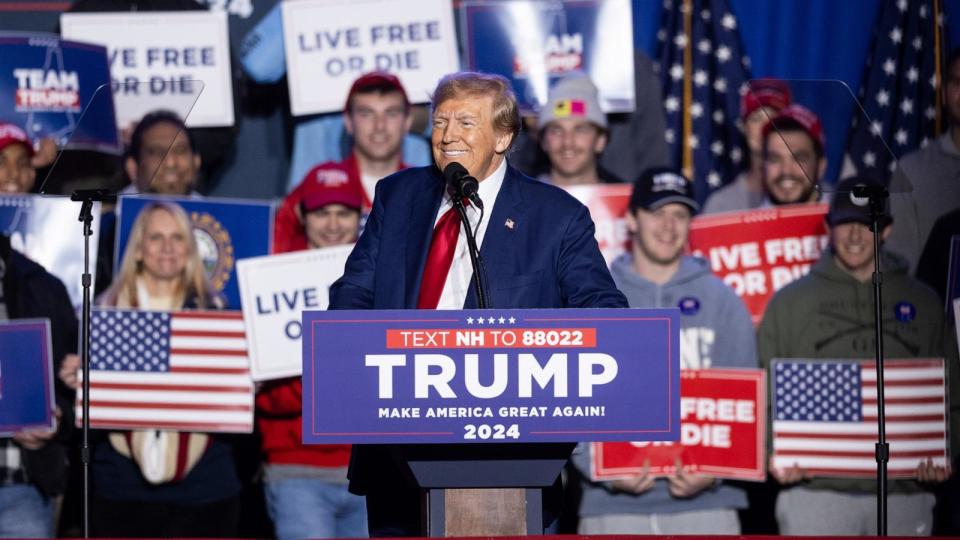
pixel 509 224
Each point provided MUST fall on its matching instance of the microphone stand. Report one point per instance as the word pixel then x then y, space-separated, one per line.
pixel 86 197
pixel 876 195
pixel 479 282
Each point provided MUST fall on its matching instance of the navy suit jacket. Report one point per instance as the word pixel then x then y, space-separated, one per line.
pixel 539 249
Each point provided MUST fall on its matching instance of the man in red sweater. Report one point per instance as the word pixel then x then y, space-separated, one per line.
pixel 377 116
pixel 306 485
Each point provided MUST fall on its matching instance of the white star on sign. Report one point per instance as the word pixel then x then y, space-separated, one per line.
pixel 671 104
pixel 469 320
pixel 480 320
pixel 700 78
pixel 490 320
pixel 501 320
pixel 512 320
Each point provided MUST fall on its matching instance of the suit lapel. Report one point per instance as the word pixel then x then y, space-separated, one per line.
pixel 499 246
pixel 423 213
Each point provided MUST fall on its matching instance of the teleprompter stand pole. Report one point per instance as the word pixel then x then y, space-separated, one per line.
pixel 86 197
pixel 877 196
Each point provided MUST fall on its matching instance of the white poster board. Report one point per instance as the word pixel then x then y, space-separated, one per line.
pixel 157 59
pixel 274 291
pixel 329 43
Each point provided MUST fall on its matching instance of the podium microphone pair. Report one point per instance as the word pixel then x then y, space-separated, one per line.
pixel 461 184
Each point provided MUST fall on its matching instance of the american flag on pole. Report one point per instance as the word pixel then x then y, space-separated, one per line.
pixel 183 370
pixel 702 71
pixel 825 415
pixel 901 87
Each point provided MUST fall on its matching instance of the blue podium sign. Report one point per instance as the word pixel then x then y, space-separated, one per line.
pixel 26 376
pixel 484 376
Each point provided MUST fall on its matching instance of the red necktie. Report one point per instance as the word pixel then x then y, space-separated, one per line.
pixel 439 259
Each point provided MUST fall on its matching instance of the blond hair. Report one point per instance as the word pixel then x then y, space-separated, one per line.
pixel 193 284
pixel 506 111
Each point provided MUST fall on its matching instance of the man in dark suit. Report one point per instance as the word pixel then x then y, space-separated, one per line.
pixel 537 243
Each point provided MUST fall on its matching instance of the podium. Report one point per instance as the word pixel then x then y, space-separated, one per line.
pixel 486 414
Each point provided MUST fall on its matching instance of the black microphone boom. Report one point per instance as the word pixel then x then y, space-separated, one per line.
pixel 463 185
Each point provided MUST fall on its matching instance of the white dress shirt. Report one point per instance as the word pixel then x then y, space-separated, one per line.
pixel 459 280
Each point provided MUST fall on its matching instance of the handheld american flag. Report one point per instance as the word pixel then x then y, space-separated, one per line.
pixel 184 370
pixel 825 415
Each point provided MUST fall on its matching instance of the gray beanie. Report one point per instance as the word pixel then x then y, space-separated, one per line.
pixel 573 96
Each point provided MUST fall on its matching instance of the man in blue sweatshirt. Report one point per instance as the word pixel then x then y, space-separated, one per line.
pixel 716 331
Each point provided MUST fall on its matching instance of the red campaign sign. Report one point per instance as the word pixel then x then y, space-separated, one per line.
pixel 608 205
pixel 722 431
pixel 759 251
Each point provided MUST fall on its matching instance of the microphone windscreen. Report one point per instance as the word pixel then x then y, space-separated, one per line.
pixel 454 171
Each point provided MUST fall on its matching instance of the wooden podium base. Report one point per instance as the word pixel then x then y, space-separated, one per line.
pixel 485 512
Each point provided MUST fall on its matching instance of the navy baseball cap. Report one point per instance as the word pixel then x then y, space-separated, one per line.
pixel 659 186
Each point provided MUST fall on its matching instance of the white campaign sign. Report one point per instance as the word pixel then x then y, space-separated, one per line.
pixel 329 43
pixel 274 291
pixel 162 60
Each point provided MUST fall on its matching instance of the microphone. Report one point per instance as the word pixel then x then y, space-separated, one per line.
pixel 462 183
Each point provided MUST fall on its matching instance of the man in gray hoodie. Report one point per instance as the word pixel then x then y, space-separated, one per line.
pixel 829 314
pixel 716 331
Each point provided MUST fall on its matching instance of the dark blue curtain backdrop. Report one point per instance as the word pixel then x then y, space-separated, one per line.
pixel 803 39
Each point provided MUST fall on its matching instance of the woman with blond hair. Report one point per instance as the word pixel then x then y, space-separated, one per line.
pixel 151 482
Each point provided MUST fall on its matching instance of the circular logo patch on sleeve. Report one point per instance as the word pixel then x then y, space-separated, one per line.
pixel 689 305
pixel 905 311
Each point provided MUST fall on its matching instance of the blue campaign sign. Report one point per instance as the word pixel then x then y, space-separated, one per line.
pixel 46 230
pixel 482 376
pixel 26 376
pixel 225 231
pixel 45 85
pixel 534 43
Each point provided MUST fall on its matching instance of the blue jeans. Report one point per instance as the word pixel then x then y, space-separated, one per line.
pixel 311 508
pixel 25 512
